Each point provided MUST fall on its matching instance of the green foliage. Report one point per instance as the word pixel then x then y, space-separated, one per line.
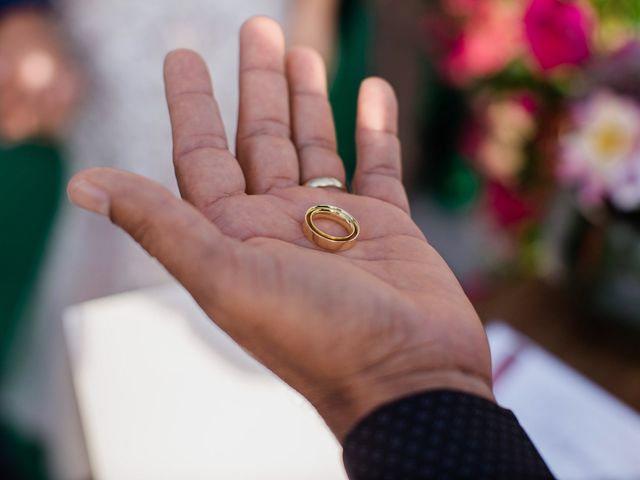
pixel 627 10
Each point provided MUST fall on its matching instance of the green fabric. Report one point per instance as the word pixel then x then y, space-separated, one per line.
pixel 20 458
pixel 352 68
pixel 447 174
pixel 30 189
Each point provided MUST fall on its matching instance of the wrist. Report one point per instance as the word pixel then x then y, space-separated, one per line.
pixel 342 411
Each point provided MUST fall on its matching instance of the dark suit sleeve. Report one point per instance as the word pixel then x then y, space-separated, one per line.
pixel 442 435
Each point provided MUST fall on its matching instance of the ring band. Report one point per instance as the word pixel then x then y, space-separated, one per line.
pixel 325 240
pixel 325 182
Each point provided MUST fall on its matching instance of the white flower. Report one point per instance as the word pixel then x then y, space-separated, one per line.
pixel 624 186
pixel 595 155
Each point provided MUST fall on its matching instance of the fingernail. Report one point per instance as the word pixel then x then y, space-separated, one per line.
pixel 86 195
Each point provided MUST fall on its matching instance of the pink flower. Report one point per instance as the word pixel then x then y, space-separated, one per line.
pixel 508 207
pixel 558 32
pixel 492 37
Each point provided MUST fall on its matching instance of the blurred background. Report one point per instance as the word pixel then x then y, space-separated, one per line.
pixel 520 121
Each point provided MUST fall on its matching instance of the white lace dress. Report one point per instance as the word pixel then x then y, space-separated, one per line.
pixel 124 124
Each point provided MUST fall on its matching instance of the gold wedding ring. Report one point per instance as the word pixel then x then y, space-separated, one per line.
pixel 325 240
pixel 324 182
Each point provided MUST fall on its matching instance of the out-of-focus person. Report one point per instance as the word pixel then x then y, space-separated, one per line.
pixel 120 46
pixel 313 23
pixel 39 82
pixel 40 86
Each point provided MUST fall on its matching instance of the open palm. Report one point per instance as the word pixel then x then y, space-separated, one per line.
pixel 349 330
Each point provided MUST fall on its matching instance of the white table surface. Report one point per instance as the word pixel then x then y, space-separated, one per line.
pixel 164 394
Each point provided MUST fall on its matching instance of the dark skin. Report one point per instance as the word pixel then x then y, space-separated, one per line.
pixel 350 330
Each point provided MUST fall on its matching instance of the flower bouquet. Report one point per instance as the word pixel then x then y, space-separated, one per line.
pixel 552 95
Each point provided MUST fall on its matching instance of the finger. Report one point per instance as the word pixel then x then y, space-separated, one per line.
pixel 171 230
pixel 379 169
pixel 205 169
pixel 264 145
pixel 313 128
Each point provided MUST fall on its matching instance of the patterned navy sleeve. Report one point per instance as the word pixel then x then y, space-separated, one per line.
pixel 442 435
pixel 23 3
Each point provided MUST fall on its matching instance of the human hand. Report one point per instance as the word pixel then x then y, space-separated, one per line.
pixel 350 330
pixel 38 83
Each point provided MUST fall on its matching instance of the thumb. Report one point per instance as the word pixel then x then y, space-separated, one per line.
pixel 189 246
